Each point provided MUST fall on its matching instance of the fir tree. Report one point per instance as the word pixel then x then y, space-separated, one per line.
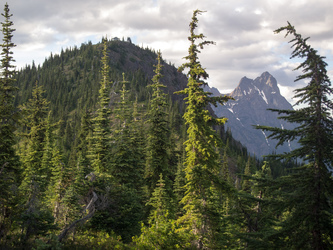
pixel 83 163
pixel 34 176
pixel 127 154
pixel 9 163
pixel 36 218
pixel 101 144
pixel 202 159
pixel 246 184
pixel 307 191
pixel 60 182
pixel 158 145
pixel 127 169
pixel 161 232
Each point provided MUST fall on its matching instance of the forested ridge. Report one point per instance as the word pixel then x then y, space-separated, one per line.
pixel 107 146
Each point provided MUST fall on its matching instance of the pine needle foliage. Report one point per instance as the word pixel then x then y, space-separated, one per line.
pixel 307 192
pixel 202 163
pixel 9 169
pixel 101 123
pixel 158 146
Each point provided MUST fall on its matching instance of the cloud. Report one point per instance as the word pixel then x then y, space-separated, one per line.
pixel 242 30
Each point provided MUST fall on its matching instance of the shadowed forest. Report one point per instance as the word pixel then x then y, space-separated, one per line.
pixel 107 146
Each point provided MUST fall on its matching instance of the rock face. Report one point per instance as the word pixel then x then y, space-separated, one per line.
pixel 252 99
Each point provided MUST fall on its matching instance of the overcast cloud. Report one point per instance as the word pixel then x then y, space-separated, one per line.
pixel 242 30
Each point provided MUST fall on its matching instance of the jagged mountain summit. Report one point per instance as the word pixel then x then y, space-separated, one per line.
pixel 252 99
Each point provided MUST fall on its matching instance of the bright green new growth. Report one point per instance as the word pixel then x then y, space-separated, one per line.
pixel 203 161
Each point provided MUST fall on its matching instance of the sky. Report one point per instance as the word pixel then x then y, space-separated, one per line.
pixel 243 31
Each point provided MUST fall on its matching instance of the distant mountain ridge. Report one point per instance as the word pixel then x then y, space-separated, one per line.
pixel 252 99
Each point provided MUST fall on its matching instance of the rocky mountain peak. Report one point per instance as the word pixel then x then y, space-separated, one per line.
pixel 243 87
pixel 263 91
pixel 267 83
pixel 252 99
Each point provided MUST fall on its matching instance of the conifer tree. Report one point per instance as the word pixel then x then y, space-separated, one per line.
pixel 256 217
pixel 307 191
pixel 34 176
pixel 126 169
pixel 47 147
pixel 101 145
pixel 60 182
pixel 36 218
pixel 158 145
pixel 202 160
pixel 161 232
pixel 9 162
pixel 83 163
pixel 126 155
pixel 246 185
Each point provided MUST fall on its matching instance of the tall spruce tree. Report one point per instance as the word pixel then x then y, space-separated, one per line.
pixel 307 191
pixel 9 168
pixel 158 145
pixel 126 155
pixel 36 219
pixel 83 163
pixel 127 169
pixel 101 141
pixel 34 176
pixel 203 161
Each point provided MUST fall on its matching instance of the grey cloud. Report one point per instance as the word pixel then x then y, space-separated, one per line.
pixel 244 46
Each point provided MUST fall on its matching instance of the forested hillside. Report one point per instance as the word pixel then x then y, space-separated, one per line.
pixel 107 146
pixel 71 81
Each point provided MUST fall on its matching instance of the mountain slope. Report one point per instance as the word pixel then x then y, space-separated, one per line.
pixel 71 81
pixel 71 78
pixel 252 99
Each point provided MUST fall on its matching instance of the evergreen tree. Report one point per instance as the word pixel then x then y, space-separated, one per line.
pixel 101 145
pixel 47 148
pixel 127 169
pixel 59 184
pixel 127 154
pixel 9 163
pixel 246 184
pixel 202 159
pixel 161 233
pixel 307 191
pixel 36 219
pixel 258 216
pixel 83 163
pixel 34 176
pixel 158 145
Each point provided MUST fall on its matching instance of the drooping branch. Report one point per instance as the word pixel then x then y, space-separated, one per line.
pixel 90 208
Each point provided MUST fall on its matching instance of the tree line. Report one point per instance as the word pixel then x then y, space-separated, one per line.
pixel 115 166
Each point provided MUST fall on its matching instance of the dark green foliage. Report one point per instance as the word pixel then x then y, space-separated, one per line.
pixel 9 167
pixel 158 145
pixel 101 138
pixel 35 114
pixel 83 166
pixel 36 218
pixel 127 166
pixel 306 194
pixel 103 159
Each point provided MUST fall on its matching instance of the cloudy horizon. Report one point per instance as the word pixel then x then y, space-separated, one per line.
pixel 242 30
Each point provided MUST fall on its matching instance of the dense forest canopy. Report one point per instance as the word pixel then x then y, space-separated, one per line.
pixel 107 146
